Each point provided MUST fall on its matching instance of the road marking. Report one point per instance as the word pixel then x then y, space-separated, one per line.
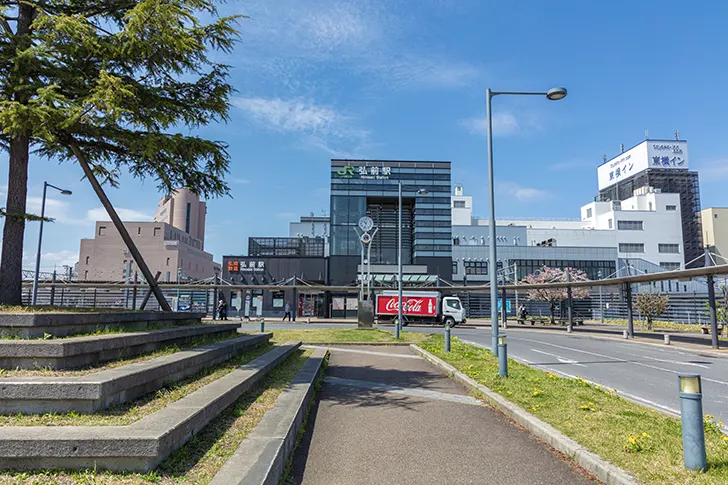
pixel 407 391
pixel 356 351
pixel 668 361
pixel 563 360
pixel 641 364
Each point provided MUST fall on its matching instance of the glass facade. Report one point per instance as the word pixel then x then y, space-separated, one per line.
pixel 286 246
pixel 591 268
pixel 370 188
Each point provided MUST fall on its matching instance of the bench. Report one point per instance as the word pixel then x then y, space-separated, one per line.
pixel 706 330
pixel 547 321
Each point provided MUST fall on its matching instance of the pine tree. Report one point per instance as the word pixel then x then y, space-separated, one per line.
pixel 108 84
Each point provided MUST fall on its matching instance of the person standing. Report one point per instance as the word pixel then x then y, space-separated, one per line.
pixel 222 309
pixel 288 312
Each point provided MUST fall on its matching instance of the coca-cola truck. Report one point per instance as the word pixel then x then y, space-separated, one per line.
pixel 420 307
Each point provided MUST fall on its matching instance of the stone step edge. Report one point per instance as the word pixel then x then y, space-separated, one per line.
pixel 91 392
pixel 142 445
pixel 262 456
pixel 69 347
pixel 593 463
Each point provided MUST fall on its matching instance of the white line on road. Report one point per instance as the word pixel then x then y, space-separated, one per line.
pixel 356 351
pixel 407 391
pixel 641 364
pixel 563 360
pixel 668 361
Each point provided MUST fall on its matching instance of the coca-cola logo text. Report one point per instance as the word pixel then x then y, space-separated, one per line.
pixel 411 305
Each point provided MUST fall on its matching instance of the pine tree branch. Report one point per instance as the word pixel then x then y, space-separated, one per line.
pixel 6 26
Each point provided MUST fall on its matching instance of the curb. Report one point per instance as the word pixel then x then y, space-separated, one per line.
pixel 375 344
pixel 603 470
pixel 262 456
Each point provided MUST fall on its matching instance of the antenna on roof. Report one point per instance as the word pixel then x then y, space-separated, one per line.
pixel 604 158
pixel 647 134
pixel 621 148
pixel 677 134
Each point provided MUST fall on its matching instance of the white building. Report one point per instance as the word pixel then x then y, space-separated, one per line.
pixel 462 207
pixel 646 227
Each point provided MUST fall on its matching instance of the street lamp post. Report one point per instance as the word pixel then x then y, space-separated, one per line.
pixel 601 307
pixel 553 94
pixel 398 326
pixel 40 236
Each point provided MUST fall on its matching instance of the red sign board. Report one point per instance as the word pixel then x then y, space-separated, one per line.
pixel 424 306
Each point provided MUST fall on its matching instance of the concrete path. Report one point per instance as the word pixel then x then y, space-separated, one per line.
pixel 384 417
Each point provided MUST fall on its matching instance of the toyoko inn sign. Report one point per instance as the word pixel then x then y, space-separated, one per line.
pixel 648 154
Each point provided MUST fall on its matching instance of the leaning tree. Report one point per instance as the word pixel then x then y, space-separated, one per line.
pixel 109 84
pixel 554 295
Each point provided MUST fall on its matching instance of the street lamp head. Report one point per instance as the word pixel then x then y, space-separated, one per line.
pixel 66 192
pixel 555 94
pixel 423 192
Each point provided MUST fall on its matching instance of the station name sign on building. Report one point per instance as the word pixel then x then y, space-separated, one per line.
pixel 671 154
pixel 245 266
pixel 364 172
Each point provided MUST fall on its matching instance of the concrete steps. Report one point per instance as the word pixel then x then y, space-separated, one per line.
pixel 75 352
pixel 143 445
pixel 90 393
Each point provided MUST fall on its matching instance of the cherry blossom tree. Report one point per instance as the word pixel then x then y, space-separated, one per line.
pixel 555 295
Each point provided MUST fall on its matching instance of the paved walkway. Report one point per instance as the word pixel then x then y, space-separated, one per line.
pixel 386 416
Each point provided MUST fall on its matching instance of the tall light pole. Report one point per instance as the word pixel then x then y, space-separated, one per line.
pixel 398 326
pixel 40 236
pixel 601 307
pixel 553 94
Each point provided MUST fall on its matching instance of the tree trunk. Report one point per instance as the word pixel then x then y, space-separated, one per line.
pixel 551 312
pixel 649 323
pixel 11 265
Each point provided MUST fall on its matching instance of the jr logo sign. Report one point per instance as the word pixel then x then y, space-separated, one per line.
pixel 346 173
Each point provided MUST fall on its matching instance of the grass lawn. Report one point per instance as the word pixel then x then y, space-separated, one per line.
pixel 595 417
pixel 165 350
pixel 320 335
pixel 661 325
pixel 127 413
pixel 197 462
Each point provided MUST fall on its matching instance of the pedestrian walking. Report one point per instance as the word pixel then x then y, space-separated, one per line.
pixel 523 314
pixel 222 309
pixel 288 312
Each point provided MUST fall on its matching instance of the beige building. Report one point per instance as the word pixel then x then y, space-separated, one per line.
pixel 173 244
pixel 715 230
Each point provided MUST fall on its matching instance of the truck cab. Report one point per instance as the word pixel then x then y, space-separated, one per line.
pixel 453 311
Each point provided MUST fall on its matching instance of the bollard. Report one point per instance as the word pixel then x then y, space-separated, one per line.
pixel 502 356
pixel 447 338
pixel 396 328
pixel 667 339
pixel 568 329
pixel 693 431
pixel 308 320
pixel 262 325
pixel 625 334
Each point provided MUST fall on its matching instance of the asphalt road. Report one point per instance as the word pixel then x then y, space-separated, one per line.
pixel 645 373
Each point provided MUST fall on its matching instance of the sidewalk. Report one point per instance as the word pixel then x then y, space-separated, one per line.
pixel 386 416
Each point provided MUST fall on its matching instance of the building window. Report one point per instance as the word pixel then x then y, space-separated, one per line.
pixel 454 267
pixel 458 204
pixel 673 208
pixel 630 225
pixel 588 213
pixel 139 230
pixel 167 261
pixel 631 247
pixel 168 276
pixel 157 231
pixel 476 267
pixel 609 223
pixel 102 230
pixel 85 275
pixel 669 248
pixel 649 206
pixel 87 258
pixel 187 218
pixel 669 266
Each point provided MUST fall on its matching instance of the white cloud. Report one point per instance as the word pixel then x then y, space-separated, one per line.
pixel 241 181
pixel 521 193
pixel 57 209
pixel 503 124
pixel 570 165
pixel 100 214
pixel 426 72
pixel 51 259
pixel 322 127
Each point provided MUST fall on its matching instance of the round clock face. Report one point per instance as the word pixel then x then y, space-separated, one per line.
pixel 366 224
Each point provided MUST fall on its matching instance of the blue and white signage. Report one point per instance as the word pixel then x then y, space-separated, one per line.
pixel 648 154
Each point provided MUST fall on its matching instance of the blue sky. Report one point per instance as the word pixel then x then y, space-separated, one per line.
pixel 396 79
